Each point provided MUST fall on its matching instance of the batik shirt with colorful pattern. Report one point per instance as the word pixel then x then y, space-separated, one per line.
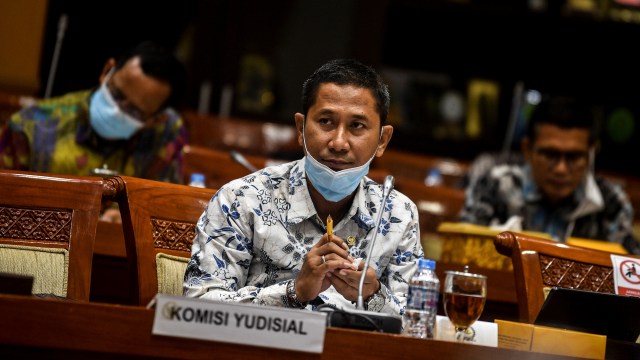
pixel 256 231
pixel 55 136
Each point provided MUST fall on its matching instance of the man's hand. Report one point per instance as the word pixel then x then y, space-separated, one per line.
pixel 346 282
pixel 324 258
pixel 112 215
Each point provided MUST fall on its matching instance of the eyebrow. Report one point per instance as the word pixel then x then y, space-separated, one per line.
pixel 355 116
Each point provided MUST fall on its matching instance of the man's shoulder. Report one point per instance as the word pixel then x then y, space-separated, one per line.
pixel 400 197
pixel 511 170
pixel 610 188
pixel 67 103
pixel 69 99
pixel 173 116
pixel 270 178
pixel 501 175
pixel 63 108
pixel 373 192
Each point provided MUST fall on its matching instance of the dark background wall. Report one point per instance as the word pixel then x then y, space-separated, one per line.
pixel 261 52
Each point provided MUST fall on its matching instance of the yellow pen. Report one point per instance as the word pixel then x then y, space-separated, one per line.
pixel 329 227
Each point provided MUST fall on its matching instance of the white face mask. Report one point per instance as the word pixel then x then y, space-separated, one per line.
pixel 334 185
pixel 106 117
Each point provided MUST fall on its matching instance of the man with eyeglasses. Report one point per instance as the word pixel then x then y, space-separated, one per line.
pixel 554 189
pixel 125 125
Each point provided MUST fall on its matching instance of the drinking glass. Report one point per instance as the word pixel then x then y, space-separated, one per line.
pixel 464 297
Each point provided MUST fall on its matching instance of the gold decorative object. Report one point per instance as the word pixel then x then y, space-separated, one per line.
pixel 351 240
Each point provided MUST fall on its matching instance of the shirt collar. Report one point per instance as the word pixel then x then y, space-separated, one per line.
pixel 302 207
pixel 591 198
pixel 529 187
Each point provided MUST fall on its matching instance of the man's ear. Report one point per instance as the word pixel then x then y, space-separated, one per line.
pixel 299 119
pixel 110 64
pixel 387 132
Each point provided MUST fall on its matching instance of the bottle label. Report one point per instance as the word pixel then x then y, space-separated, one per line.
pixel 422 299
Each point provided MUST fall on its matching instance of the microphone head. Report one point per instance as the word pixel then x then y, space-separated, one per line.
pixel 240 159
pixel 62 24
pixel 388 185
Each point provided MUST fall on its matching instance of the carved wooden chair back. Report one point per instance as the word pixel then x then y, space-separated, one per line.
pixel 540 264
pixel 158 221
pixel 47 230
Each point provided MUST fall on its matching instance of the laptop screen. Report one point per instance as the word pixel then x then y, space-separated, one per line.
pixel 616 316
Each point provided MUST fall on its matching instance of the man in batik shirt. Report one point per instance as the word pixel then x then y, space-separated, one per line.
pixel 263 238
pixel 554 190
pixel 125 125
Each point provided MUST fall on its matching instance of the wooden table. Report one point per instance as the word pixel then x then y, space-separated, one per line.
pixel 65 329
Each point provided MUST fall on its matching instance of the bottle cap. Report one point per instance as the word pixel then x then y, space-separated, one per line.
pixel 434 177
pixel 197 178
pixel 427 264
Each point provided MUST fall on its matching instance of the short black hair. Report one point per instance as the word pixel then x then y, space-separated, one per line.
pixel 347 72
pixel 156 61
pixel 565 112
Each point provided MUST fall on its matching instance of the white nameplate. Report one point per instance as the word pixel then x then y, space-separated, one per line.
pixel 246 324
pixel 482 332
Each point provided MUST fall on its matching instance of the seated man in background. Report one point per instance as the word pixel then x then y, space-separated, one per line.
pixel 263 238
pixel 554 190
pixel 124 125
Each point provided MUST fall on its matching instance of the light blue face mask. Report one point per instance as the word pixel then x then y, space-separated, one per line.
pixel 333 185
pixel 107 119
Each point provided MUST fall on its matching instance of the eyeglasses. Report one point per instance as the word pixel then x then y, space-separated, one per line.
pixel 125 105
pixel 572 159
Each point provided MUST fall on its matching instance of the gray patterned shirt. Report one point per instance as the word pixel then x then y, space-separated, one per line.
pixel 256 230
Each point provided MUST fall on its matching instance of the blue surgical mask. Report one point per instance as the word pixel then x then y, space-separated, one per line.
pixel 107 119
pixel 333 185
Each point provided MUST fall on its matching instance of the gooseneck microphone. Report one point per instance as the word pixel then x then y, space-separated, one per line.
pixel 386 190
pixel 240 159
pixel 62 28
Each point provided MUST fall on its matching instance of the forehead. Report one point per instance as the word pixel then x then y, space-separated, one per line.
pixel 146 92
pixel 350 98
pixel 551 136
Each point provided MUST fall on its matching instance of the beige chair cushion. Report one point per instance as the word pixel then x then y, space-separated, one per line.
pixel 49 267
pixel 170 269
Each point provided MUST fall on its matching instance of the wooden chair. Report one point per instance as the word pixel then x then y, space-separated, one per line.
pixel 416 166
pixel 436 204
pixel 540 264
pixel 217 165
pixel 247 136
pixel 158 222
pixel 47 230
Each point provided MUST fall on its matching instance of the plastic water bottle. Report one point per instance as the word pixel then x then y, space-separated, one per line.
pixel 197 180
pixel 422 301
pixel 433 178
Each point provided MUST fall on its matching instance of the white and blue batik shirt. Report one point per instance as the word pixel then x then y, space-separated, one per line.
pixel 254 234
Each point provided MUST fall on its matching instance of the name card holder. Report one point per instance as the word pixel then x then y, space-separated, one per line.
pixel 483 333
pixel 247 324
